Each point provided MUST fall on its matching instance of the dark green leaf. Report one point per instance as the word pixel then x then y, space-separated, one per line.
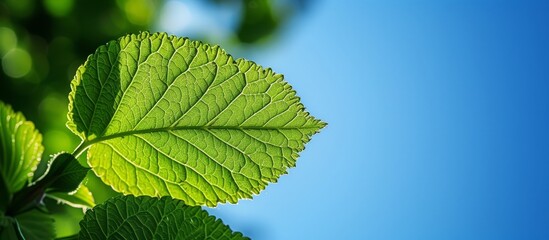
pixel 129 217
pixel 65 174
pixel 81 198
pixel 36 225
pixel 9 229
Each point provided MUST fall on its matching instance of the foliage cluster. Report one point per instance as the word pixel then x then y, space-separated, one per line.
pixel 172 124
pixel 42 43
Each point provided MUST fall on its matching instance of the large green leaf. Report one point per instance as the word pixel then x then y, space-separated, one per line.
pixel 129 217
pixel 167 116
pixel 20 151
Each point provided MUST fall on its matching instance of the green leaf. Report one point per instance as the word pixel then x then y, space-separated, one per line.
pixel 9 229
pixel 36 225
pixel 129 217
pixel 167 116
pixel 65 174
pixel 81 198
pixel 20 151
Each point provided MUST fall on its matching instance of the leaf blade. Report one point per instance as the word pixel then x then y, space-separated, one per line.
pixel 81 198
pixel 65 174
pixel 36 225
pixel 172 104
pixel 152 218
pixel 20 149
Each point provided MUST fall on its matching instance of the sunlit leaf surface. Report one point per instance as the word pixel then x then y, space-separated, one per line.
pixel 167 116
pixel 20 150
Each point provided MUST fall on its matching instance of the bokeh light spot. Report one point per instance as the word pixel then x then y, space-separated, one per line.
pixel 139 12
pixel 17 63
pixel 8 40
pixel 175 16
pixel 59 8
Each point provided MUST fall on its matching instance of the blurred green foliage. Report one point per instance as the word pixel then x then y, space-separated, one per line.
pixel 42 42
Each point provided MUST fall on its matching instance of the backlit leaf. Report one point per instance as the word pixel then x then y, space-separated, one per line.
pixel 81 198
pixel 167 116
pixel 129 217
pixel 20 150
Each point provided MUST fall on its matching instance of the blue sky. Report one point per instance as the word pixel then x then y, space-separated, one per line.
pixel 438 123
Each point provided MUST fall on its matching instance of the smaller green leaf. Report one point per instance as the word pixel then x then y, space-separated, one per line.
pixel 9 229
pixel 42 169
pixel 81 198
pixel 129 217
pixel 9 232
pixel 36 225
pixel 20 151
pixel 65 174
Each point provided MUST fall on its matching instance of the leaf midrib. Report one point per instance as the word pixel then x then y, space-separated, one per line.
pixel 88 142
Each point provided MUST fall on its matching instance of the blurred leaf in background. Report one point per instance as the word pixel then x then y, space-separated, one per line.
pixel 42 42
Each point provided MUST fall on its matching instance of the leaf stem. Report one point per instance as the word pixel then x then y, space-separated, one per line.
pixel 83 146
